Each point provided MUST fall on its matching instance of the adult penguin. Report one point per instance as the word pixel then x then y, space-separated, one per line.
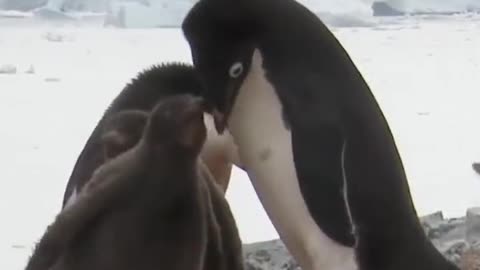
pixel 306 124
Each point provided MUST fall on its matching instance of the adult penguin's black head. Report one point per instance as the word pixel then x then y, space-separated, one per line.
pixel 222 35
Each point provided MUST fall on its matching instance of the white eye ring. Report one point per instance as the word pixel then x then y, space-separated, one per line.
pixel 236 70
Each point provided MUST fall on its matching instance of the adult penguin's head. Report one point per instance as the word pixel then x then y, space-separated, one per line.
pixel 222 35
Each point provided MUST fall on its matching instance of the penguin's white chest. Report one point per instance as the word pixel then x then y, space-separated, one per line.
pixel 265 149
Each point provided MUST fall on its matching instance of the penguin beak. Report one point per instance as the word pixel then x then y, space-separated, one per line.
pixel 221 118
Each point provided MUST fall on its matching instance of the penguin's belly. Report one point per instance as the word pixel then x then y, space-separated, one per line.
pixel 265 149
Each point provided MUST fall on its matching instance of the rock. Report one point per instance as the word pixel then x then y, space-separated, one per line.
pixel 442 232
pixel 432 220
pixel 8 69
pixel 472 234
pixel 268 255
pixel 454 250
pixel 457 239
pixel 431 224
pixel 476 167
pixel 384 9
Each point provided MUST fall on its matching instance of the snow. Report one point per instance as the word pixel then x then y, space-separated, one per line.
pixel 423 71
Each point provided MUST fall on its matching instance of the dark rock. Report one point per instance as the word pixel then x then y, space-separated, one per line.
pixel 455 250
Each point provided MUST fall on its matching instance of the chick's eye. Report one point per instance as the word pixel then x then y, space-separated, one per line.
pixel 236 70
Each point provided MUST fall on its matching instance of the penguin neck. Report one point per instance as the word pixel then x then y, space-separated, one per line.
pixel 256 107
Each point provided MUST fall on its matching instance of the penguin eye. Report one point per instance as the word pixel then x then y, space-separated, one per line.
pixel 236 70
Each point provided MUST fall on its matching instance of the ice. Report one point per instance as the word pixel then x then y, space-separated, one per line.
pixel 154 13
pixel 435 5
pixel 22 5
pixel 423 71
pixel 14 14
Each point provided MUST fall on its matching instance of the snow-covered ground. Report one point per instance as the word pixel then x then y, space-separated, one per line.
pixel 424 72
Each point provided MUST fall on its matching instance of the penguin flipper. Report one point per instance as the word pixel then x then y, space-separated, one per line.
pixel 314 118
pixel 317 157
